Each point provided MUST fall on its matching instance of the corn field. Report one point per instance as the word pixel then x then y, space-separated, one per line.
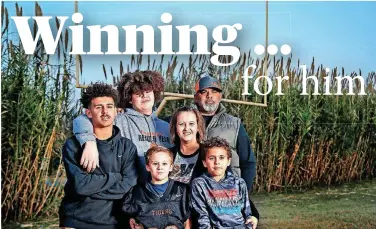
pixel 36 106
pixel 299 141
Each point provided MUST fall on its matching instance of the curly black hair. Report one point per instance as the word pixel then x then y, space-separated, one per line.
pixel 98 90
pixel 215 142
pixel 139 81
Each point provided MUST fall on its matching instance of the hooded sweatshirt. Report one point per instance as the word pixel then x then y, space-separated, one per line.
pixel 92 200
pixel 158 210
pixel 222 204
pixel 142 130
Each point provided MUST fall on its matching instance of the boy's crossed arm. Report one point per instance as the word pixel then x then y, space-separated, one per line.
pixel 85 184
pixel 129 176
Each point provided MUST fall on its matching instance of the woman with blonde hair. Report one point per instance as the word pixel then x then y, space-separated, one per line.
pixel 187 131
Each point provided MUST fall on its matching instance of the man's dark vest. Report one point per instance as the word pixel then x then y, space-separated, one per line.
pixel 226 126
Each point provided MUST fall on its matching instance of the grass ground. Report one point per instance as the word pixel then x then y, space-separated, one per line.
pixel 345 206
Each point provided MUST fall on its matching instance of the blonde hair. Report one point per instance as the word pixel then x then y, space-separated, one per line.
pixel 157 149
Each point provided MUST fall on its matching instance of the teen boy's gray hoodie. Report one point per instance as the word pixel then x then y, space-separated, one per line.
pixel 141 129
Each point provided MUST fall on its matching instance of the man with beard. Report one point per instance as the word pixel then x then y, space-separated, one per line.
pixel 207 98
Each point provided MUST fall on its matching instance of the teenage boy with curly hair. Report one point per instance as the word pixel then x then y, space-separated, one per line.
pixel 93 200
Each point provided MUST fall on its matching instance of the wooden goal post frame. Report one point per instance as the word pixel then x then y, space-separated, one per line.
pixel 169 96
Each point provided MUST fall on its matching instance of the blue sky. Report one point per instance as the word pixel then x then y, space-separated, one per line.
pixel 337 34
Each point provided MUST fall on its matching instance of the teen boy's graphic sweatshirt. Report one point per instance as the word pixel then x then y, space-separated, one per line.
pixel 222 204
pixel 142 130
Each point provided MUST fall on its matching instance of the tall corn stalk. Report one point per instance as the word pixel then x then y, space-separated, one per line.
pixel 36 95
pixel 299 141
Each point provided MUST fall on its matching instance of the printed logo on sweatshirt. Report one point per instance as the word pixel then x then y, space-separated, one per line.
pixel 162 212
pixel 225 201
pixel 183 168
pixel 182 172
pixel 223 193
pixel 152 137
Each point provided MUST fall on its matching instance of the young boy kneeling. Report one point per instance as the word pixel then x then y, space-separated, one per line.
pixel 219 198
pixel 161 203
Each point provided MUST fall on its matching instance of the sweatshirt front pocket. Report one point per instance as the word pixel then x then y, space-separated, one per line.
pixel 96 211
pixel 79 206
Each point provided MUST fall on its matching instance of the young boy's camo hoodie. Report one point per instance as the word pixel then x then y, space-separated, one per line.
pixel 222 204
pixel 142 130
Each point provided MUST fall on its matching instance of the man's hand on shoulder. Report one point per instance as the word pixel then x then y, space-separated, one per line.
pixel 90 156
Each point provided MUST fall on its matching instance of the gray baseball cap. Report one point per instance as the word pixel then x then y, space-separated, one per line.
pixel 207 82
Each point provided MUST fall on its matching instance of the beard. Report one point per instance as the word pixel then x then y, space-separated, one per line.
pixel 210 107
